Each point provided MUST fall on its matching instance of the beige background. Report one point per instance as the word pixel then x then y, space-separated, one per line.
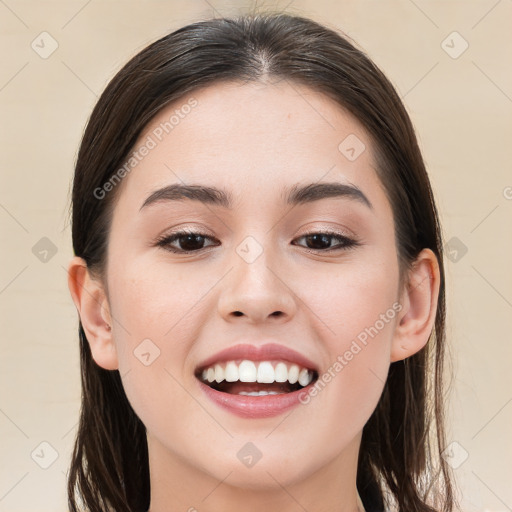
pixel 461 108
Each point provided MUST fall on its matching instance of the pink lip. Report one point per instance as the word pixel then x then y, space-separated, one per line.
pixel 267 352
pixel 255 406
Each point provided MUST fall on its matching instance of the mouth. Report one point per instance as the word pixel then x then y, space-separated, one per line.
pixel 256 378
pixel 256 381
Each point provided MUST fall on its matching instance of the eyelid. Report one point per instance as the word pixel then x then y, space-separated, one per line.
pixel 327 228
pixel 186 230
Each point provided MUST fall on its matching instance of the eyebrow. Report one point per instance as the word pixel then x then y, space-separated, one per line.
pixel 294 196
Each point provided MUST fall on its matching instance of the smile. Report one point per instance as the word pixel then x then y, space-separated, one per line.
pixel 252 378
pixel 256 382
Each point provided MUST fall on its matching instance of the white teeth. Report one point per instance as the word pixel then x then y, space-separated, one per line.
pixel 265 373
pixel 258 393
pixel 231 373
pixel 219 373
pixel 304 378
pixel 247 371
pixel 281 373
pixel 262 372
pixel 293 374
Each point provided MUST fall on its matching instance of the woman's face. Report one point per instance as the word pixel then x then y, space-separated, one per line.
pixel 265 271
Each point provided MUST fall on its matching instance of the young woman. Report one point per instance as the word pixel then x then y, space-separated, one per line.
pixel 259 279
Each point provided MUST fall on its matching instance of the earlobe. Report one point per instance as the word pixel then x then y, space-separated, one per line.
pixel 419 306
pixel 91 301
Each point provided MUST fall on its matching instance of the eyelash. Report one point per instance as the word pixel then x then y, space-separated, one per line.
pixel 166 240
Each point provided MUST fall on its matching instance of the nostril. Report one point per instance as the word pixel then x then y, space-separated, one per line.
pixel 275 313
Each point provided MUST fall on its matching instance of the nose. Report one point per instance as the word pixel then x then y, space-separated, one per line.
pixel 256 292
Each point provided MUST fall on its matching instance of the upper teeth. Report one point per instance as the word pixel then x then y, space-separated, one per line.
pixel 264 372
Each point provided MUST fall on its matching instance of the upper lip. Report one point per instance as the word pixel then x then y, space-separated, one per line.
pixel 266 352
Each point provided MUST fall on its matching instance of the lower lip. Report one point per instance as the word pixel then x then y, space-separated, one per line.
pixel 265 406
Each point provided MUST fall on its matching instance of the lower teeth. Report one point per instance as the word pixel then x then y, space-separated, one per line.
pixel 259 393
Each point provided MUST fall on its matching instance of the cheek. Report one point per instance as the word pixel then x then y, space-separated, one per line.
pixel 352 298
pixel 357 312
pixel 159 317
pixel 151 301
pixel 155 325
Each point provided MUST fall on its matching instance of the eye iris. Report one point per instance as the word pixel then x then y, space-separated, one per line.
pixel 324 241
pixel 191 242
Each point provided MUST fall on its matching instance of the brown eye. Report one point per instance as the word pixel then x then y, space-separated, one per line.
pixel 184 241
pixel 323 241
pixel 319 241
pixel 191 242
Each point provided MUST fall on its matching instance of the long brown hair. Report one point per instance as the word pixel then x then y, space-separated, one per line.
pixel 400 460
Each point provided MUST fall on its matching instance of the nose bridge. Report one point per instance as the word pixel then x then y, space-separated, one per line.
pixel 254 288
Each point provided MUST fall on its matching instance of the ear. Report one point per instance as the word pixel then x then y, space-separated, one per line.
pixel 92 304
pixel 419 304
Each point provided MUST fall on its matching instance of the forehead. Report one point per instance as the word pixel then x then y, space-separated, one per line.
pixel 261 137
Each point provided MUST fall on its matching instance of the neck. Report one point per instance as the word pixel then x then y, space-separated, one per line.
pixel 177 485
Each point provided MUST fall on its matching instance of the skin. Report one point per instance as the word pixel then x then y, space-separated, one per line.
pixel 253 140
